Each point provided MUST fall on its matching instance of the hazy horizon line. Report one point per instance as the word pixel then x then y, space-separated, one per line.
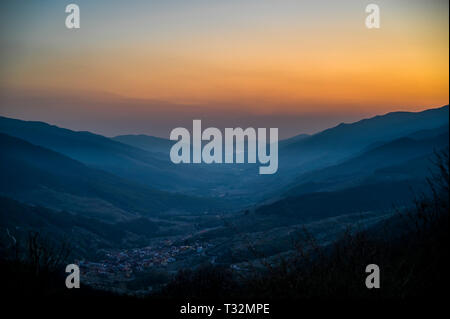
pixel 92 131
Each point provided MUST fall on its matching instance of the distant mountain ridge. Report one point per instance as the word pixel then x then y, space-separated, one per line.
pixel 144 159
pixel 146 142
pixel 97 151
pixel 383 175
pixel 37 175
pixel 396 152
pixel 349 137
pixel 124 192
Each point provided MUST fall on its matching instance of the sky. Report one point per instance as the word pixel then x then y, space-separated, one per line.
pixel 150 66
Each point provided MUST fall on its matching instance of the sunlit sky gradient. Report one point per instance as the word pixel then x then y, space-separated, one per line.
pixel 147 66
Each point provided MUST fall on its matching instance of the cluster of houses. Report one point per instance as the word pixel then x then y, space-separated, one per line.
pixel 125 262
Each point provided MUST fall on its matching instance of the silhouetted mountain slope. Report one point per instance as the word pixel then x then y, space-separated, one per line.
pixel 297 156
pixel 100 152
pixel 148 143
pixel 38 175
pixel 346 139
pixel 430 133
pixel 343 142
pixel 419 135
pixel 375 179
pixel 357 169
pixel 294 139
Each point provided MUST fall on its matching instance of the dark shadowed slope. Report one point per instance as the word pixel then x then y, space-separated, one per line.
pixel 307 155
pixel 86 235
pixel 100 152
pixel 355 170
pixel 359 199
pixel 38 175
pixel 378 178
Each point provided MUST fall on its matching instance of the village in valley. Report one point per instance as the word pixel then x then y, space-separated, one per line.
pixel 124 265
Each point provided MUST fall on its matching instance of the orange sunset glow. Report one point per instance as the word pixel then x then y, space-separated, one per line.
pixel 255 57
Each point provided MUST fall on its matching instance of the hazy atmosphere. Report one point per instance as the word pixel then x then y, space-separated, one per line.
pixel 147 66
pixel 330 181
